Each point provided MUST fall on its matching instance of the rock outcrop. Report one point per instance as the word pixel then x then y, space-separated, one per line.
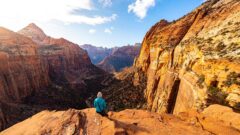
pixel 194 61
pixel 120 58
pixel 40 72
pixel 131 122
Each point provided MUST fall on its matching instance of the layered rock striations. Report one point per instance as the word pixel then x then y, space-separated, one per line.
pixel 40 72
pixel 21 68
pixel 194 61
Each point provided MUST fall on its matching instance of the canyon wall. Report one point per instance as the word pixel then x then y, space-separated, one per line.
pixel 21 68
pixel 193 62
pixel 39 72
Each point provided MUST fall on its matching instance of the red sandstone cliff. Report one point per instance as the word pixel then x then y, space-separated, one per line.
pixel 39 72
pixel 67 61
pixel 21 68
pixel 194 61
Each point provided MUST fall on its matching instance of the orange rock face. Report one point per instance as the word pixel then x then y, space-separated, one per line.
pixel 43 72
pixel 21 68
pixel 194 61
pixel 131 122
pixel 67 62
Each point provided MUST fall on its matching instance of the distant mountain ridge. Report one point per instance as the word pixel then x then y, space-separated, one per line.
pixel 97 54
pixel 113 59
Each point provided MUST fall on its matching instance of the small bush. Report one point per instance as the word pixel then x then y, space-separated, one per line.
pixel 220 46
pixel 217 96
pixel 226 69
pixel 232 78
pixel 237 106
pixel 210 40
pixel 155 39
pixel 213 90
pixel 200 81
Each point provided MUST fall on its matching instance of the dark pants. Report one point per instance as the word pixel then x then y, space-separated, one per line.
pixel 103 113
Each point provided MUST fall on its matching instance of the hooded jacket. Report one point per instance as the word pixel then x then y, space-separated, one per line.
pixel 100 104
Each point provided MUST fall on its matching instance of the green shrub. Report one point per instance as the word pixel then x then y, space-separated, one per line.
pixel 232 78
pixel 213 90
pixel 200 81
pixel 217 96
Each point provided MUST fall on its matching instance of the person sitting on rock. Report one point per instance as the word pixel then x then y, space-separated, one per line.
pixel 100 105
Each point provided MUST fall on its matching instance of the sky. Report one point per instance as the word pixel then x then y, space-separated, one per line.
pixel 106 23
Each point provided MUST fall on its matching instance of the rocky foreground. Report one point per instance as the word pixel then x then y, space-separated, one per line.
pixel 137 122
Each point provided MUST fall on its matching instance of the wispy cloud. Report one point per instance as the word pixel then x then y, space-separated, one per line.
pixel 25 11
pixel 105 3
pixel 89 20
pixel 109 30
pixel 92 31
pixel 140 7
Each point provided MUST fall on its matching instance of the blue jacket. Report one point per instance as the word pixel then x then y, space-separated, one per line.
pixel 100 104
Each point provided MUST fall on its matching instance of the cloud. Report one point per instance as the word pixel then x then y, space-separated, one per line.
pixel 26 11
pixel 109 30
pixel 105 3
pixel 92 31
pixel 140 7
pixel 89 20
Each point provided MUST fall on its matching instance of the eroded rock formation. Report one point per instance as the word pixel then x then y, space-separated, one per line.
pixel 21 68
pixel 130 122
pixel 194 61
pixel 40 72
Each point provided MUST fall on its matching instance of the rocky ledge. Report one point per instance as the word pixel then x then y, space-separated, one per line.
pixel 72 122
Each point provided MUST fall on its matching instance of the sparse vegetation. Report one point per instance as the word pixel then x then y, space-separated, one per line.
pixel 200 81
pixel 155 40
pixel 226 69
pixel 216 95
pixel 232 78
pixel 209 40
pixel 213 90
pixel 51 47
pixel 237 106
pixel 220 46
